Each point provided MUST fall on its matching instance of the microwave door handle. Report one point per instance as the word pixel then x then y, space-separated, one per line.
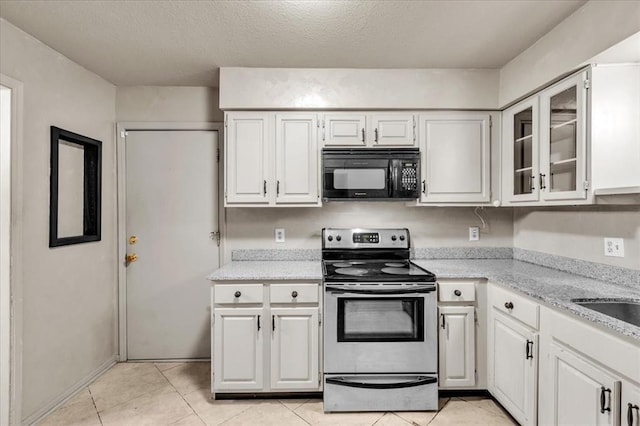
pixel 415 381
pixel 392 180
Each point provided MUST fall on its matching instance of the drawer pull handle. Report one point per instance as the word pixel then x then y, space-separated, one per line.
pixel 443 323
pixel 294 294
pixel 630 408
pixel 529 350
pixel 273 323
pixel 604 390
pixel 457 292
pixel 508 305
pixel 237 294
pixel 258 322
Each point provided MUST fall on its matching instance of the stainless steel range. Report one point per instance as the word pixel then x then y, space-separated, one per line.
pixel 380 329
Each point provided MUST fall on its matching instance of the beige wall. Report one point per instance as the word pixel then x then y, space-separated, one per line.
pixel 154 103
pixel 592 29
pixel 69 293
pixel 253 228
pixel 579 232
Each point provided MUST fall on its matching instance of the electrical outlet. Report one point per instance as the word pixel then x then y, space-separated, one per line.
pixel 474 233
pixel 279 235
pixel 614 247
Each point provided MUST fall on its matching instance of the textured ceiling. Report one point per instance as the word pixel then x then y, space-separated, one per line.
pixel 185 42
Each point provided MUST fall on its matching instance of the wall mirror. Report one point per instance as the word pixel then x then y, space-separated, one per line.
pixel 76 187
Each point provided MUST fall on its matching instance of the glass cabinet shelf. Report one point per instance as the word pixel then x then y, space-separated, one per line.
pixel 559 162
pixel 524 169
pixel 564 123
pixel 523 138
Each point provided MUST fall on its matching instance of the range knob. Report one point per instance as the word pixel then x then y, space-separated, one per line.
pixel 330 238
pixel 393 238
pixel 338 237
pixel 401 237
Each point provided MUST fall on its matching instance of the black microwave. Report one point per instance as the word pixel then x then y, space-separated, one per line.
pixel 370 174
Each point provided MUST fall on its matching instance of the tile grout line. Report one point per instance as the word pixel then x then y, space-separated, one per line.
pixel 439 411
pixel 296 414
pixel 180 394
pixel 94 405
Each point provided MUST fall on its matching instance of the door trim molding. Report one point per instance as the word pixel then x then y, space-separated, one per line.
pixel 11 333
pixel 121 129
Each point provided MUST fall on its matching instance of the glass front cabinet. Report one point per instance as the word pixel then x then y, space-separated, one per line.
pixel 545 144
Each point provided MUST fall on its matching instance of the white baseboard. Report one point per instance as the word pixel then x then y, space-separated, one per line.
pixel 69 393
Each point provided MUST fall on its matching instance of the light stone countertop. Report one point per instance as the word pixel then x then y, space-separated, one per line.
pixel 551 286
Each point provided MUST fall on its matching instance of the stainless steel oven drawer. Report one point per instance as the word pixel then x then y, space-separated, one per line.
pixel 380 392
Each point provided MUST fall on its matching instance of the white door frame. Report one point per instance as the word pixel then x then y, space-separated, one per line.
pixel 11 283
pixel 122 128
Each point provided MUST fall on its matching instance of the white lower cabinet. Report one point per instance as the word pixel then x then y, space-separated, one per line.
pixel 630 404
pixel 266 338
pixel 583 394
pixel 457 346
pixel 513 353
pixel 238 349
pixel 294 348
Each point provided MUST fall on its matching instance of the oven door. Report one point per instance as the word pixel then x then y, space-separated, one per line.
pixel 355 177
pixel 380 330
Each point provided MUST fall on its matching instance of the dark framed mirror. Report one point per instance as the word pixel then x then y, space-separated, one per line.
pixel 76 188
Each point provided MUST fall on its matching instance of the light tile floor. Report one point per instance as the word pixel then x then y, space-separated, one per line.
pixel 178 394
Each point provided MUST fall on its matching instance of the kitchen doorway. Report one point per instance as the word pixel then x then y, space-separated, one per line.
pixel 169 239
pixel 11 113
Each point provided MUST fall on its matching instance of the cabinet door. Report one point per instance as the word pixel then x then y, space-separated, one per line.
pixel 583 394
pixel 630 404
pixel 238 349
pixel 294 348
pixel 248 152
pixel 521 147
pixel 345 129
pixel 393 129
pixel 455 157
pixel 457 346
pixel 296 158
pixel 563 140
pixel 514 367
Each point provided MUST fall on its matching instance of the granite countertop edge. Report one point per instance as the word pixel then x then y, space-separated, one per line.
pixel 553 287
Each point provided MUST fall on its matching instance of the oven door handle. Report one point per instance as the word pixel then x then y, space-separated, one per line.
pixel 417 381
pixel 390 291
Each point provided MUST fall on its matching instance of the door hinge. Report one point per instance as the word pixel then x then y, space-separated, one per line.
pixel 585 184
pixel 218 155
pixel 319 377
pixel 124 134
pixel 319 319
pixel 225 122
pixel 215 235
pixel 475 316
pixel 490 122
pixel 414 128
pixel 323 131
pixel 587 84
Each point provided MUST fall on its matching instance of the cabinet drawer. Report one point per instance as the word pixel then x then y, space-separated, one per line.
pixel 460 291
pixel 515 306
pixel 294 293
pixel 238 293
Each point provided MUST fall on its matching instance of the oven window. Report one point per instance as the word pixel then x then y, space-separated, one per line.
pixel 359 179
pixel 381 319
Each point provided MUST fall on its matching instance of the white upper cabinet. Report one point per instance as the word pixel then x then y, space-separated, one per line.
pixel 248 157
pixel 545 144
pixel 391 130
pixel 575 140
pixel 455 151
pixel 296 158
pixel 345 129
pixel 271 159
pixel 521 143
pixel 563 140
pixel 360 130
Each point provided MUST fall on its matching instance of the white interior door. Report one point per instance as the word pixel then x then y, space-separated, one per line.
pixel 172 209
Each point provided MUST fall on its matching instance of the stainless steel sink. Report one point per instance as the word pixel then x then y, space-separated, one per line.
pixel 624 310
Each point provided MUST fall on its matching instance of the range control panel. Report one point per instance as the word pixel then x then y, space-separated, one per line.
pixel 349 238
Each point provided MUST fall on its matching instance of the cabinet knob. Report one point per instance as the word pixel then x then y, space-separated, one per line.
pixel 508 305
pixel 294 294
pixel 457 292
pixel 237 294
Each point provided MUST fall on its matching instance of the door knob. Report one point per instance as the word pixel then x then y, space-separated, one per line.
pixel 457 292
pixel 131 257
pixel 133 239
